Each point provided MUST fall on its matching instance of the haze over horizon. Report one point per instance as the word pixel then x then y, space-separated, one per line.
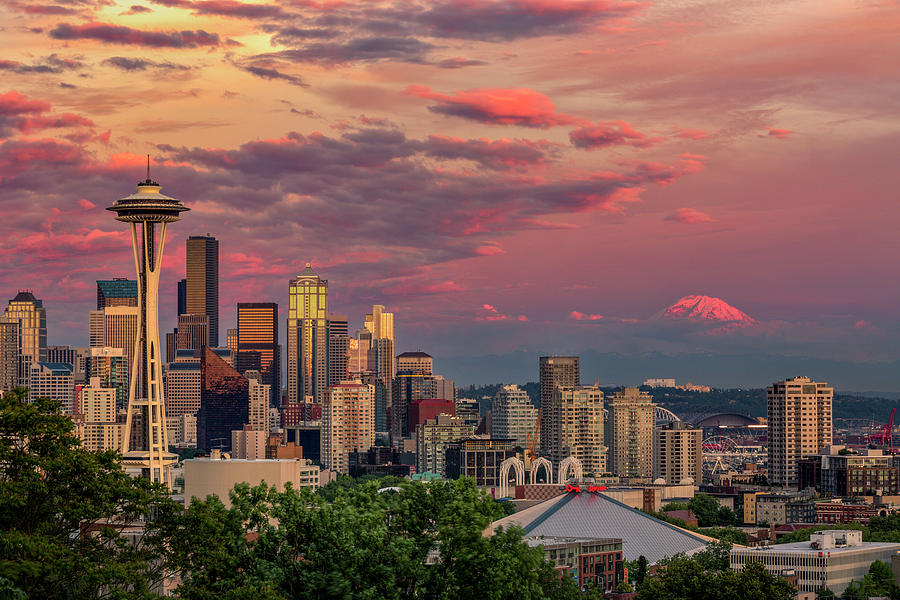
pixel 511 178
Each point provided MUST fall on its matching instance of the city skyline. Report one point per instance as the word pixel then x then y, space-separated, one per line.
pixel 522 178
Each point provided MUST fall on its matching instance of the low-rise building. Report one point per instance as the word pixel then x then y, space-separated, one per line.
pixel 479 459
pixel 434 437
pixel 778 509
pixel 588 561
pixel 838 511
pixel 837 472
pixel 829 559
pixel 205 476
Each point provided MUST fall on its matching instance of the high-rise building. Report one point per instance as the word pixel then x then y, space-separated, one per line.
pixel 77 357
pixel 182 297
pixel 148 455
pixel 118 291
pixel 9 355
pixel 183 384
pixel 575 422
pixel 307 337
pixel 338 349
pixel 116 327
pixel 248 443
pixel 193 332
pixel 202 281
pixel 52 380
pixel 231 339
pixel 629 433
pixel 224 402
pixel 30 314
pixel 348 423
pixel 434 437
pixel 513 415
pixel 95 417
pixel 799 418
pixel 257 344
pixel 470 411
pixel 555 371
pixel 678 453
pixel 109 368
pixel 415 362
pixel 259 395
pixel 358 361
pixel 380 323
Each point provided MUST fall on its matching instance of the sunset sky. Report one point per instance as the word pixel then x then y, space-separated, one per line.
pixel 504 175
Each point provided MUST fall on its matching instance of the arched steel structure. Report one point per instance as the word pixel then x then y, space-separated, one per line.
pixel 569 464
pixel 664 415
pixel 536 466
pixel 515 463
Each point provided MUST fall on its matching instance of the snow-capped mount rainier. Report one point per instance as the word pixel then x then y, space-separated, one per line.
pixel 705 309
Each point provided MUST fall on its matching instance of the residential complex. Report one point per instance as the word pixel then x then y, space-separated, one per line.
pixel 574 420
pixel 348 423
pixel 629 433
pixel 554 371
pixel 513 416
pixel 799 417
pixel 678 453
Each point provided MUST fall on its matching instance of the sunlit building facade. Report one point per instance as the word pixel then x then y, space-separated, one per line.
pixel 307 337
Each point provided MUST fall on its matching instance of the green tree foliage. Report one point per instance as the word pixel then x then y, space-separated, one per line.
pixel 675 506
pixel 641 570
pixel 424 541
pixel 706 508
pixel 825 594
pixel 729 534
pixel 62 509
pixel 685 578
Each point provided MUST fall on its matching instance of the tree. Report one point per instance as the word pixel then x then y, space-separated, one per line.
pixel 62 511
pixel 687 578
pixel 715 557
pixel 624 587
pixel 642 569
pixel 825 594
pixel 424 541
pixel 706 508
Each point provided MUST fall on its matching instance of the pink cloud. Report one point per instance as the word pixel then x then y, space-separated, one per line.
pixel 602 135
pixel 119 34
pixel 689 216
pixel 580 316
pixel 690 134
pixel 494 106
pixel 86 204
pixel 781 134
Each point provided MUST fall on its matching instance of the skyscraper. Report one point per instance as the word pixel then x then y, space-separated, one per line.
pixel 416 362
pixel 799 417
pixel 54 381
pixel 575 423
pixel 629 433
pixel 193 331
pixel 224 402
pixel 678 453
pixel 259 398
pixel 257 344
pixel 338 349
pixel 109 368
pixel 307 337
pixel 348 423
pixel 116 327
pixel 143 211
pixel 118 291
pixel 202 281
pixel 381 325
pixel 513 415
pixel 183 384
pixel 555 371
pixel 9 355
pixel 182 297
pixel 29 313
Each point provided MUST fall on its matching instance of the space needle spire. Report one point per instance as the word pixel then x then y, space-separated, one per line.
pixel 143 211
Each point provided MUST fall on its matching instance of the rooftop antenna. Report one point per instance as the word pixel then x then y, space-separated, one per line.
pixel 148 167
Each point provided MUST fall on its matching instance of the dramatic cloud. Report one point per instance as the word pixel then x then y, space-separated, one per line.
pixel 689 216
pixel 602 135
pixel 125 63
pixel 271 73
pixel 119 34
pixel 580 316
pixel 18 112
pixel 781 134
pixel 367 49
pixel 519 106
pixel 497 154
pixel 230 8
pixel 458 62
pixel 48 64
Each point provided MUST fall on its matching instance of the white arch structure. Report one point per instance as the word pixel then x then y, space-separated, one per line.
pixel 515 463
pixel 535 467
pixel 569 464
pixel 661 414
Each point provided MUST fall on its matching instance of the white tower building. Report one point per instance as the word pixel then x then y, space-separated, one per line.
pixel 143 210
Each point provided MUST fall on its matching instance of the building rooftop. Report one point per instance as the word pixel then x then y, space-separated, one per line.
pixel 417 354
pixel 24 296
pixel 803 547
pixel 595 515
pixel 57 368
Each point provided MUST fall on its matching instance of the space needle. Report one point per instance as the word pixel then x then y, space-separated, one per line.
pixel 143 210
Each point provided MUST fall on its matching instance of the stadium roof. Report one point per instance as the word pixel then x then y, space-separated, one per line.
pixel 594 515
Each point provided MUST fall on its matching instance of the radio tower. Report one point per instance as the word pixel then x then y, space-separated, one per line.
pixel 143 210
